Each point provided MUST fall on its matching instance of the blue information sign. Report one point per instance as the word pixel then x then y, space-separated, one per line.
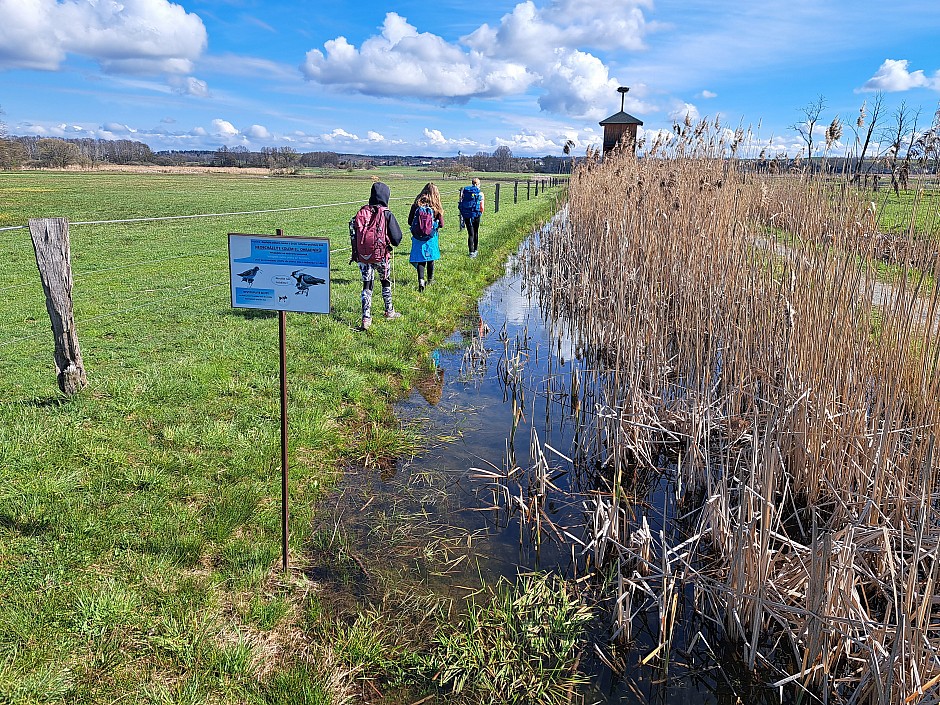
pixel 280 273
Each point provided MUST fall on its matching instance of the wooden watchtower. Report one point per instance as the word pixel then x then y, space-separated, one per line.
pixel 620 128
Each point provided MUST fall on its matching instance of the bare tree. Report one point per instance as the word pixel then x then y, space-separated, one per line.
pixel 811 112
pixel 927 146
pixel 872 125
pixel 57 153
pixel 897 134
pixel 503 157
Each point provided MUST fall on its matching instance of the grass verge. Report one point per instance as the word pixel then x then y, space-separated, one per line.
pixel 139 521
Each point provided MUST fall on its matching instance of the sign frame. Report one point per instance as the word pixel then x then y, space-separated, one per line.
pixel 293 271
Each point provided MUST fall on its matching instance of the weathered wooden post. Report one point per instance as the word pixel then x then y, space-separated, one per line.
pixel 53 257
pixel 515 191
pixel 496 210
pixel 537 188
pixel 528 187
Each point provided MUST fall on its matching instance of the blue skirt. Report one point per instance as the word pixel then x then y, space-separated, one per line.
pixel 425 250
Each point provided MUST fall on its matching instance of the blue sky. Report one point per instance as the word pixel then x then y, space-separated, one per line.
pixel 442 77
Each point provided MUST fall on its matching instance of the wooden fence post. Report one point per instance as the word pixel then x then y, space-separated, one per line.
pixel 51 243
pixel 528 187
pixel 515 192
pixel 497 199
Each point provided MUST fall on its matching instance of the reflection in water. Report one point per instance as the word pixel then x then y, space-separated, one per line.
pixel 505 487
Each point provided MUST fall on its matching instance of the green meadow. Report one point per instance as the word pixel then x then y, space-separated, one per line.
pixel 139 520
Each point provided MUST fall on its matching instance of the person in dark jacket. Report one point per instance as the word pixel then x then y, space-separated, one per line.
pixel 381 263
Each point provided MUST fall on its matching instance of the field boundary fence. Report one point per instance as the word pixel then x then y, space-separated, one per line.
pixel 65 270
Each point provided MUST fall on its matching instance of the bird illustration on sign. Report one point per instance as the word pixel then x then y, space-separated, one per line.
pixel 305 281
pixel 249 275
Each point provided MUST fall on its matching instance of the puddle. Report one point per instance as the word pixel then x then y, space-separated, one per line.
pixel 498 411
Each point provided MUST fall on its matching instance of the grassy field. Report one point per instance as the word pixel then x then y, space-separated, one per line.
pixel 139 521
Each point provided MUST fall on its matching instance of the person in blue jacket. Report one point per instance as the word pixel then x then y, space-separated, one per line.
pixel 471 209
pixel 425 246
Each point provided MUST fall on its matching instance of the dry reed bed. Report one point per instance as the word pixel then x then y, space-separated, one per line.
pixel 800 403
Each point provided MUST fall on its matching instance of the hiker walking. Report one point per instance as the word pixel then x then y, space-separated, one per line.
pixel 471 208
pixel 425 219
pixel 373 233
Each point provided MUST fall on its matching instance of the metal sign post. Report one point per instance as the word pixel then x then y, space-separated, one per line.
pixel 292 274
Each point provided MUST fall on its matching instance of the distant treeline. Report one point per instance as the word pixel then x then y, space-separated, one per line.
pixel 53 152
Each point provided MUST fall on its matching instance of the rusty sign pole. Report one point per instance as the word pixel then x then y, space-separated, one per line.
pixel 282 334
pixel 296 277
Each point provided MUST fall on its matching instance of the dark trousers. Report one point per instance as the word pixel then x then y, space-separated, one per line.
pixel 473 232
pixel 430 268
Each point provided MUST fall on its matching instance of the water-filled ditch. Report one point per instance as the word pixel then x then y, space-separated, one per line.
pixel 498 492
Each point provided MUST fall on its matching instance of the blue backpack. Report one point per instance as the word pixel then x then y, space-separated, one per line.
pixel 422 227
pixel 471 202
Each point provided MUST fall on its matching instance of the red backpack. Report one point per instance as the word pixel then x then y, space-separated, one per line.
pixel 422 227
pixel 370 237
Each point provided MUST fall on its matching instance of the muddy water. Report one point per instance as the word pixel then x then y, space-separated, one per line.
pixel 496 403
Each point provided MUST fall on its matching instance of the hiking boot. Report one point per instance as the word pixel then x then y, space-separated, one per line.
pixel 392 314
pixel 473 254
pixel 421 285
pixel 366 323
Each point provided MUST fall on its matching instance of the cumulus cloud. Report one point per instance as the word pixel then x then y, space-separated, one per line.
pixel 525 32
pixel 436 138
pixel 401 60
pixel 545 47
pixel 258 132
pixel 117 128
pixel 375 136
pixel 533 143
pixel 190 86
pixel 576 84
pixel 135 36
pixel 683 110
pixel 224 129
pixel 893 76
pixel 707 95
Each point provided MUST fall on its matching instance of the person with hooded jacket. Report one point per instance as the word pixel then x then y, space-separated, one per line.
pixel 368 269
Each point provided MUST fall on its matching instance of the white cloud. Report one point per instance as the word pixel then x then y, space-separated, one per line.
pixel 258 132
pixel 402 61
pixel 375 136
pixel 683 110
pixel 530 47
pixel 224 129
pixel 528 32
pixel 532 143
pixel 190 86
pixel 707 95
pixel 339 135
pixel 135 36
pixel 435 136
pixel 117 128
pixel 893 76
pixel 577 84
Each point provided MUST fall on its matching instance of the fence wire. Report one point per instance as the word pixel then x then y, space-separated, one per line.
pixel 186 290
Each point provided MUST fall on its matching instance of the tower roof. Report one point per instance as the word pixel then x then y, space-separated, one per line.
pixel 621 118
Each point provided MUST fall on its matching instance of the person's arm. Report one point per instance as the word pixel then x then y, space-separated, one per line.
pixel 411 213
pixel 482 201
pixel 393 229
pixel 352 241
pixel 440 219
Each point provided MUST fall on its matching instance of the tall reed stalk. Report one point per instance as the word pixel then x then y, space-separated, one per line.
pixel 737 322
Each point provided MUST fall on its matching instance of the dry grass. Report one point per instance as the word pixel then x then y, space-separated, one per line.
pixel 797 399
